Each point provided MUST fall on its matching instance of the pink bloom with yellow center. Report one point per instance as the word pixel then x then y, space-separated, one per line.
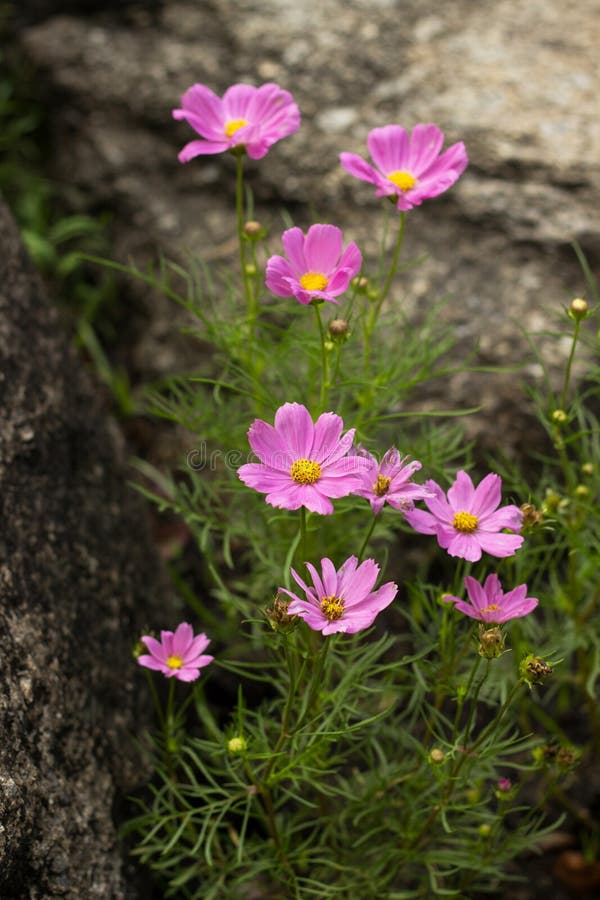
pixel 343 600
pixel 248 117
pixel 468 520
pixel 489 604
pixel 317 267
pixel 389 481
pixel 408 167
pixel 177 655
pixel 302 463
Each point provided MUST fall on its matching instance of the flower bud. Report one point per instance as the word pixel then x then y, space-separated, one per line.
pixel 551 502
pixel 533 670
pixel 582 491
pixel 329 345
pixel 250 269
pixel 559 417
pixel 491 642
pixel 139 649
pixel 578 309
pixel 587 469
pixel 504 785
pixel 485 830
pixel 437 756
pixel 236 745
pixel 360 284
pixel 254 230
pixel 338 328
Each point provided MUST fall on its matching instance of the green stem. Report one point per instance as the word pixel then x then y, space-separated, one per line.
pixel 246 279
pixel 315 684
pixel 367 538
pixel 377 304
pixel 324 361
pixel 563 396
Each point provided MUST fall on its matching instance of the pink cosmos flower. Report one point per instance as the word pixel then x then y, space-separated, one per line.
pixel 177 655
pixel 389 482
pixel 315 268
pixel 343 600
pixel 301 463
pixel 408 168
pixel 468 520
pixel 246 116
pixel 489 603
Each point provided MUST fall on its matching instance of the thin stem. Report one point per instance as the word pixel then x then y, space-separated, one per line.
pixel 367 538
pixel 246 279
pixel 563 396
pixel 324 361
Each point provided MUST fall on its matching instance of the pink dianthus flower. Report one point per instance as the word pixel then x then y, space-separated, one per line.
pixel 302 463
pixel 489 604
pixel 343 600
pixel 468 521
pixel 249 117
pixel 389 481
pixel 408 167
pixel 317 267
pixel 177 655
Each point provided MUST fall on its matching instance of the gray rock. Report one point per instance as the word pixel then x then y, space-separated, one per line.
pixel 511 80
pixel 78 582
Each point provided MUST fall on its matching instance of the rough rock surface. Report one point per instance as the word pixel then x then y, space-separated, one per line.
pixel 516 82
pixel 78 581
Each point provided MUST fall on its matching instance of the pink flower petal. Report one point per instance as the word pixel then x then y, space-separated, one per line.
pixel 204 112
pixel 499 545
pixel 201 148
pixel 268 445
pixel 426 141
pixel 327 433
pixel 461 493
pixel 295 428
pixel 389 147
pixel 358 167
pixel 323 248
pixel 465 546
pixel 421 521
pixel 182 639
pixel 487 495
pixel 293 244
pixel 280 277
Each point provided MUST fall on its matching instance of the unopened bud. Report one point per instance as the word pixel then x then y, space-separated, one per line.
pixel 328 345
pixel 437 756
pixel 485 830
pixel 559 417
pixel 491 642
pixel 139 649
pixel 578 308
pixel 237 745
pixel 250 269
pixel 253 230
pixel 338 328
pixel 360 284
pixel 533 670
pixel 504 785
pixel 551 502
pixel 582 491
pixel 587 469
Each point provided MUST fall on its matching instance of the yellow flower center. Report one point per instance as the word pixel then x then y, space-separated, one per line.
pixel 382 485
pixel 493 607
pixel 403 180
pixel 174 662
pixel 465 522
pixel 234 125
pixel 305 471
pixel 332 607
pixel 314 281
